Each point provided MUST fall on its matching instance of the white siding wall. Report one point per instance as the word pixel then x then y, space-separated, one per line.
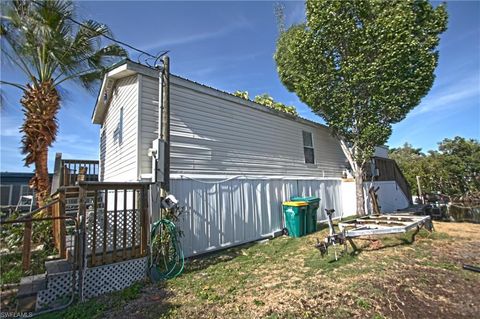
pixel 212 135
pixel 223 214
pixel 118 150
pixel 148 120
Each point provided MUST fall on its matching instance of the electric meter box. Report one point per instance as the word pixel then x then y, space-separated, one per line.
pixel 158 161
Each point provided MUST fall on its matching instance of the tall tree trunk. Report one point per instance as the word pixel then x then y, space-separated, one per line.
pixel 358 170
pixel 40 106
pixel 359 190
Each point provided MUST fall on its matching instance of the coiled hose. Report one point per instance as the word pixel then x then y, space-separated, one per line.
pixel 166 258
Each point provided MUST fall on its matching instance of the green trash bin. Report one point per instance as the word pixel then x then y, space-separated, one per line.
pixel 295 218
pixel 311 213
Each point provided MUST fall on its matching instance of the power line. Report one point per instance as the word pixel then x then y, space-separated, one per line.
pixel 111 38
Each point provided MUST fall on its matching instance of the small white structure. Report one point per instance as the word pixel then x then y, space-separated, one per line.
pixel 233 161
pixel 381 151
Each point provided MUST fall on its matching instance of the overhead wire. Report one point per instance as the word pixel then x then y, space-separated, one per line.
pixel 142 52
pixel 173 264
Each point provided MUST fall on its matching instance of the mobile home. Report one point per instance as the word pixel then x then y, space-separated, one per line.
pixel 232 161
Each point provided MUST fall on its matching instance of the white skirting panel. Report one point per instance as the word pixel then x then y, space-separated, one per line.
pixel 220 214
pixel 390 196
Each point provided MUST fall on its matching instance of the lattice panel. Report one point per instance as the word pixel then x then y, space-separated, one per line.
pixel 113 277
pixel 59 290
pixel 98 280
pixel 121 226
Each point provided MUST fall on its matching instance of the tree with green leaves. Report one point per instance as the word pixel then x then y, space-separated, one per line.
pixel 411 161
pixel 362 66
pixel 266 100
pixel 41 41
pixel 453 169
pixel 461 161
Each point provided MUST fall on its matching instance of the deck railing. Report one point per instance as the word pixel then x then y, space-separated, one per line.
pixel 113 219
pixel 55 214
pixel 69 171
pixel 116 223
pixel 52 212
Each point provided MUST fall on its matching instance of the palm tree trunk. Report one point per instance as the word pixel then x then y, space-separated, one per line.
pixel 40 106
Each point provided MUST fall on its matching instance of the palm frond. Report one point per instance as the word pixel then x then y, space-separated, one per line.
pixel 43 42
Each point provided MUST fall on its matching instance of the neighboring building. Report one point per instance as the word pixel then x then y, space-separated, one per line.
pixel 381 151
pixel 13 185
pixel 233 161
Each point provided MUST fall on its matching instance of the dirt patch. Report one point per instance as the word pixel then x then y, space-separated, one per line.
pixel 427 294
pixel 286 278
pixel 151 299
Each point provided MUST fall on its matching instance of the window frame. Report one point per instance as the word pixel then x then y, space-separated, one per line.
pixel 28 192
pixel 120 126
pixel 10 192
pixel 312 147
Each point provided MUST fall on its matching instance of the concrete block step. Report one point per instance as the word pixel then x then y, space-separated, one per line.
pixel 57 266
pixel 31 285
pixel 27 292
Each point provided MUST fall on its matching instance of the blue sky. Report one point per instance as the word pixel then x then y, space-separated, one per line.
pixel 229 45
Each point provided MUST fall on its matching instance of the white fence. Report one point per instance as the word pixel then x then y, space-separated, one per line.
pixel 220 214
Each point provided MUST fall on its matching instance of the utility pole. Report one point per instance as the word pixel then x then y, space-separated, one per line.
pixel 166 121
pixel 419 186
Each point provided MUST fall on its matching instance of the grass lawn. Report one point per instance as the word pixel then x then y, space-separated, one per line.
pixel 286 278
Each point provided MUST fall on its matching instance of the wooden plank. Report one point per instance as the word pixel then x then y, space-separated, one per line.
pixel 133 225
pixel 105 227
pixel 94 228
pixel 124 256
pixel 57 175
pixel 65 176
pixel 144 222
pixel 71 161
pixel 59 230
pixel 109 255
pixel 27 246
pixel 115 207
pixel 82 215
pixel 62 227
pixel 112 185
pixel 55 227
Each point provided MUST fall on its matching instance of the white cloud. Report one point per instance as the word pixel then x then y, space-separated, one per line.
pixel 10 132
pixel 167 43
pixel 449 98
pixel 76 146
pixel 10 126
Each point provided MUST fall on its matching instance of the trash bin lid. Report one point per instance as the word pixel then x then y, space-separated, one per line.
pixel 305 199
pixel 295 204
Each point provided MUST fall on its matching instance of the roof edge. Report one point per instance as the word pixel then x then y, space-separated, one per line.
pixel 128 67
pixel 123 68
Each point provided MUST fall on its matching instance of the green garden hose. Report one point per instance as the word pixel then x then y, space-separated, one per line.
pixel 166 258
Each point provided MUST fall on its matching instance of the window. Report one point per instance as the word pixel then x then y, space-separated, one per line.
pixel 25 190
pixel 308 148
pixel 6 195
pixel 118 133
pixel 120 127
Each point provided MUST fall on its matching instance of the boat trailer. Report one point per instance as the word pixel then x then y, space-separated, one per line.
pixel 372 225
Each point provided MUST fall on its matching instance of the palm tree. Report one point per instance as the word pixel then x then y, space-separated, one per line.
pixel 42 40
